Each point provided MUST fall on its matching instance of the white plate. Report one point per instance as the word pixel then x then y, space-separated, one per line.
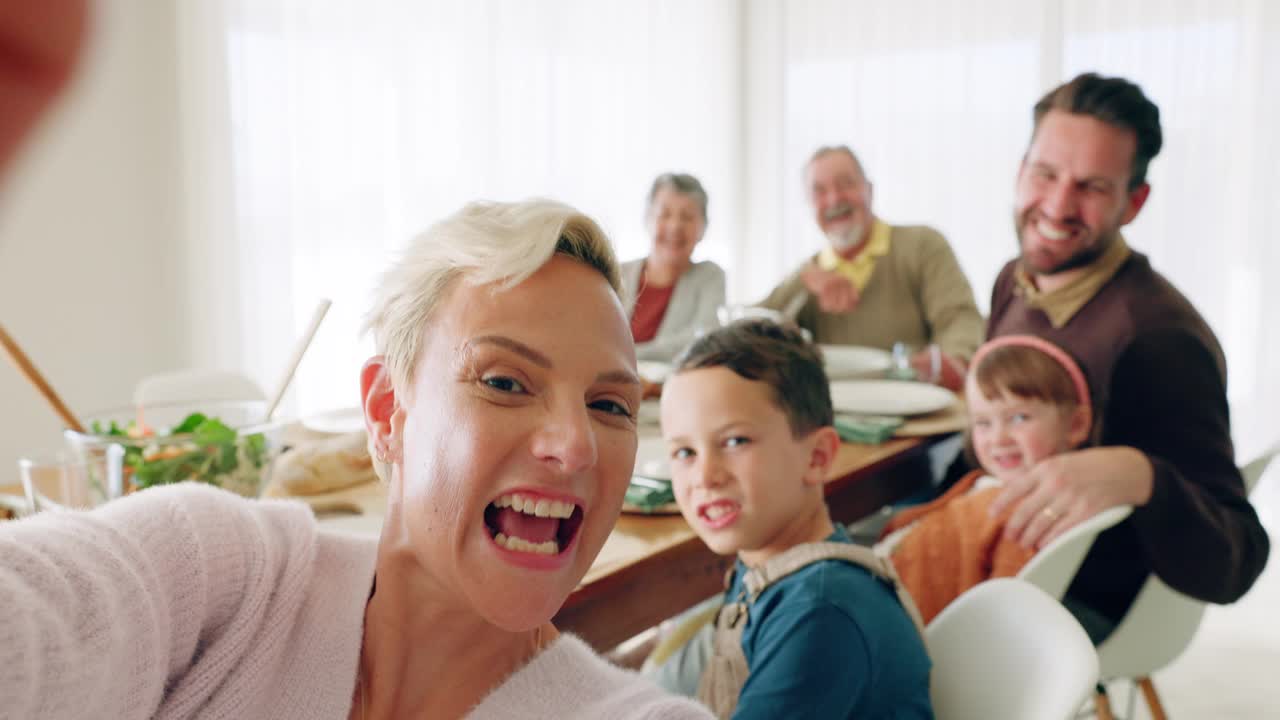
pixel 855 361
pixel 335 422
pixel 653 370
pixel 889 397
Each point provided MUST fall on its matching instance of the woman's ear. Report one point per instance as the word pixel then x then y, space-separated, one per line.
pixel 822 455
pixel 378 399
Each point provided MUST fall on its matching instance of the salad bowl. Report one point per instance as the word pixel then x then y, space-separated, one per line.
pixel 218 442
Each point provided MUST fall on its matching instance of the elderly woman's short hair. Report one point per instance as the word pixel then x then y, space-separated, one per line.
pixel 684 184
pixel 484 242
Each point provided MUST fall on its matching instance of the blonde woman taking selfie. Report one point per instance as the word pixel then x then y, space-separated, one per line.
pixel 501 412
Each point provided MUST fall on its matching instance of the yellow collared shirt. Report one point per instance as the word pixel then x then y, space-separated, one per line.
pixel 1063 303
pixel 858 269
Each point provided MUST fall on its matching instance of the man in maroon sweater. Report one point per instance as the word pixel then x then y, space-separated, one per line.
pixel 1157 372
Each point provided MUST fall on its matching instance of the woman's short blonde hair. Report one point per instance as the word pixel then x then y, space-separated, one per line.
pixel 484 242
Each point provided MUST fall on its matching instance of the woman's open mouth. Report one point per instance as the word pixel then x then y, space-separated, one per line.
pixel 535 524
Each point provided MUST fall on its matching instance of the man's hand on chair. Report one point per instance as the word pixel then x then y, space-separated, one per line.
pixel 1062 491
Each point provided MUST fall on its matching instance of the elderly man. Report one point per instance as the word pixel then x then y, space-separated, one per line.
pixel 1158 374
pixel 877 284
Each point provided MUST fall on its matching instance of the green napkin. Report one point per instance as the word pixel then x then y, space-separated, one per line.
pixel 867 429
pixel 649 493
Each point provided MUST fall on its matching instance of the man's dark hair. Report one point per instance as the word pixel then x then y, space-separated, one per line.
pixel 1114 101
pixel 774 354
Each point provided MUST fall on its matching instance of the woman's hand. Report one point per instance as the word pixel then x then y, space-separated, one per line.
pixel 39 45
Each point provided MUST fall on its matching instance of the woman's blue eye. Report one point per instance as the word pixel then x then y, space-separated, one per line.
pixel 737 440
pixel 611 407
pixel 504 384
pixel 681 453
pixel 1019 417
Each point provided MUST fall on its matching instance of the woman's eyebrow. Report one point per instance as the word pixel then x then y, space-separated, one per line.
pixel 514 346
pixel 625 377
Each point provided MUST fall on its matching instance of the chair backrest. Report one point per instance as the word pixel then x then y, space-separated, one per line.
pixel 1153 633
pixel 1256 468
pixel 1161 621
pixel 184 386
pixel 1006 649
pixel 1053 568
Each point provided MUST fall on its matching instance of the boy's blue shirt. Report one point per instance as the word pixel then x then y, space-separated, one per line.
pixel 831 641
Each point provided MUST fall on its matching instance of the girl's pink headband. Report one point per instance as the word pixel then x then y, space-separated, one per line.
pixel 1053 351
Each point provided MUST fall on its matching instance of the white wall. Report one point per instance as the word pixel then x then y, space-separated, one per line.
pixel 89 227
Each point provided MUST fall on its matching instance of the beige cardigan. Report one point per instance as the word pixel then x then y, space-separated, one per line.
pixel 691 311
pixel 917 294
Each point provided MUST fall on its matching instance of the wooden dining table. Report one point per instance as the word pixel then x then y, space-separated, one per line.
pixel 653 567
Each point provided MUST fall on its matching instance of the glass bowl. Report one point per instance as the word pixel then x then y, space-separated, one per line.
pixel 218 442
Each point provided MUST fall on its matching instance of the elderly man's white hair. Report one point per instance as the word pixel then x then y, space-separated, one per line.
pixel 484 242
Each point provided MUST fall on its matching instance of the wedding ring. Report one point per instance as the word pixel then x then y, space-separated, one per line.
pixel 1050 513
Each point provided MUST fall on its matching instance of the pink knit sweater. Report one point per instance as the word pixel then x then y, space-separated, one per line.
pixel 190 602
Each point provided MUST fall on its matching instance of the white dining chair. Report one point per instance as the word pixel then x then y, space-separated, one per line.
pixel 1257 467
pixel 1160 624
pixel 1052 568
pixel 195 385
pixel 1006 649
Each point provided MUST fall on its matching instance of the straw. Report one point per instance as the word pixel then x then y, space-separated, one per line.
pixel 29 371
pixel 303 343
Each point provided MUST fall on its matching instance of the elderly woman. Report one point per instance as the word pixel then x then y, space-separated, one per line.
pixel 500 409
pixel 672 297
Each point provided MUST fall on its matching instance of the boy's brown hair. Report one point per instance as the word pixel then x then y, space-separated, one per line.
pixel 776 355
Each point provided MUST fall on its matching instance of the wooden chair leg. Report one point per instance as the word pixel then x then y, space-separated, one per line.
pixel 1102 704
pixel 1153 698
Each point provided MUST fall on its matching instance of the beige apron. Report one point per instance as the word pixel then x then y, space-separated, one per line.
pixel 726 672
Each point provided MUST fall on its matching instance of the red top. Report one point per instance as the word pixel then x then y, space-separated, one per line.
pixel 651 305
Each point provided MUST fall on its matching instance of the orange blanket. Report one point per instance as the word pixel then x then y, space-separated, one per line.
pixel 953 546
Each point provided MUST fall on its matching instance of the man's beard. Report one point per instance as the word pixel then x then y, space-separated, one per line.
pixel 1086 255
pixel 847 238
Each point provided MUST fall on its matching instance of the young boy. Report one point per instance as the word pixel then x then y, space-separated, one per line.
pixel 748 422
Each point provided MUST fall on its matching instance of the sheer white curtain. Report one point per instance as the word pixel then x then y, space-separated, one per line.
pixel 1213 69
pixel 352 126
pixel 933 96
pixel 320 135
pixel 936 98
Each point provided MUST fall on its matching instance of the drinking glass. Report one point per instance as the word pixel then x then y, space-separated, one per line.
pixel 905 365
pixel 68 480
